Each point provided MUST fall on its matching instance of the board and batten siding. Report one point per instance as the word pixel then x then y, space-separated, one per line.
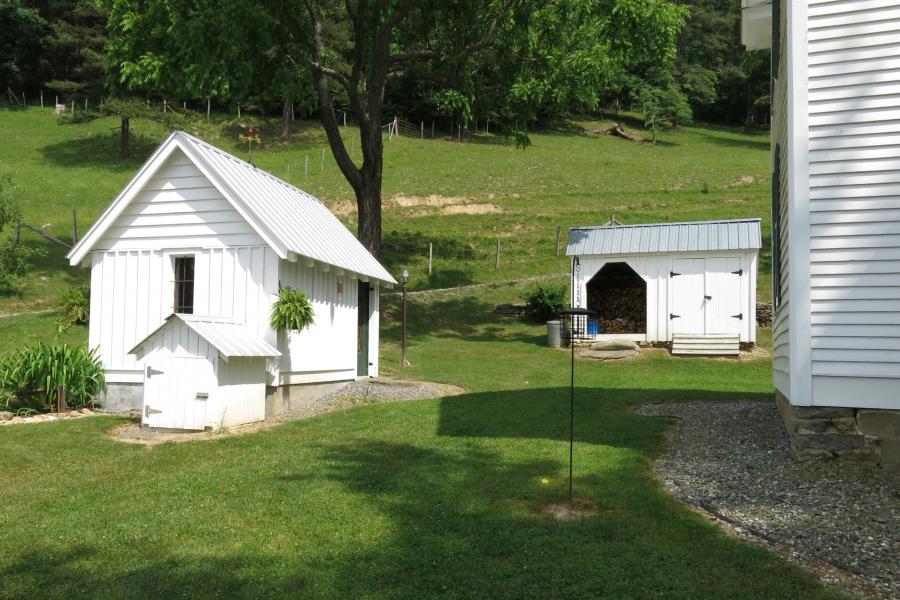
pixel 327 349
pixel 854 201
pixel 779 132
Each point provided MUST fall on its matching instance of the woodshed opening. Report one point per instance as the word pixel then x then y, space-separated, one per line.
pixel 618 297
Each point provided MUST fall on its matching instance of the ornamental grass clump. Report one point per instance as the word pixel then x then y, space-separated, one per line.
pixel 292 311
pixel 33 374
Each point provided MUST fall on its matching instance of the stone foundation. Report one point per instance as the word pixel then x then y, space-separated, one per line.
pixel 122 397
pixel 861 435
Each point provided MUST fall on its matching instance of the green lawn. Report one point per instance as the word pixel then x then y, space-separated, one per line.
pixel 404 500
pixel 566 178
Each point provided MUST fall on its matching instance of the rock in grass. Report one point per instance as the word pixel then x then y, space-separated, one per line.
pixel 608 354
pixel 5 415
pixel 614 345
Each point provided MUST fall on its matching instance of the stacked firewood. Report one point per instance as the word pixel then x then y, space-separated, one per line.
pixel 621 310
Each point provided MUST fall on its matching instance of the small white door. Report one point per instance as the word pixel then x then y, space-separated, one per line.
pixel 723 291
pixel 176 391
pixel 687 278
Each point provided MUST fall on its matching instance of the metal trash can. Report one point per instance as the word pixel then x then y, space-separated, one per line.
pixel 554 339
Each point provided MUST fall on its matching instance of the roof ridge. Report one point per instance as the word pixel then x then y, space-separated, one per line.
pixel 670 223
pixel 246 164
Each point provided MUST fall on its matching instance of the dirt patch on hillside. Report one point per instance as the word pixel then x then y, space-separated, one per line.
pixel 343 207
pixel 745 180
pixel 433 200
pixel 471 209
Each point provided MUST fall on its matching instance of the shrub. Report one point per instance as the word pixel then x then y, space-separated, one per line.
pixel 291 311
pixel 74 308
pixel 15 263
pixel 33 373
pixel 545 301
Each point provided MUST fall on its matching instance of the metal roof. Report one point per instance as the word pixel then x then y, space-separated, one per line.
pixel 299 221
pixel 290 220
pixel 655 238
pixel 231 338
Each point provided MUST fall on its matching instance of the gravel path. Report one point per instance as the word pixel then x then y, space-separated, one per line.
pixel 731 461
pixel 370 391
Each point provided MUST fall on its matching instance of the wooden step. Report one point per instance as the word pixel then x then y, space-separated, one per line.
pixel 706 345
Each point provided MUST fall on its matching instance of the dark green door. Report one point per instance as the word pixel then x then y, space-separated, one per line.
pixel 362 331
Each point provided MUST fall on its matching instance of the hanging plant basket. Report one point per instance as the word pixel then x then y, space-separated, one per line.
pixel 292 311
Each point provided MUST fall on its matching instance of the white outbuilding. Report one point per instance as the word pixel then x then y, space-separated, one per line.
pixel 694 283
pixel 186 264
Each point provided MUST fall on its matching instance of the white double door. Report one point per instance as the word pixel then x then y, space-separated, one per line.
pixel 706 295
pixel 176 391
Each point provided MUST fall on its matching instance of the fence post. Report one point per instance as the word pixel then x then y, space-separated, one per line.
pixel 488 126
pixel 306 167
pixel 430 248
pixel 74 228
pixel 239 110
pixel 322 166
pixel 42 98
pixel 208 107
pixel 85 104
pixel 345 118
pixel 497 259
pixel 422 130
pixel 558 233
pixel 432 129
pixel 73 106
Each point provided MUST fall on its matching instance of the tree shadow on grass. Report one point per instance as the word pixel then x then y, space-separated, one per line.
pixel 398 247
pixel 414 516
pixel 100 151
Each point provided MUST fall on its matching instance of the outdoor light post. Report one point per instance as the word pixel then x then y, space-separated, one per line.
pixel 576 318
pixel 404 277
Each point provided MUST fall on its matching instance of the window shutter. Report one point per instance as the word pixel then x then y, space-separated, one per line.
pixel 776 227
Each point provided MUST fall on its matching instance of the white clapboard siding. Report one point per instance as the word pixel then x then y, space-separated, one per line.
pixel 327 348
pixel 179 208
pixel 136 290
pixel 854 127
pixel 781 322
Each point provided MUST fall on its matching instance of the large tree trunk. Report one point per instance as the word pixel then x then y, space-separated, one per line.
pixel 285 120
pixel 125 139
pixel 368 203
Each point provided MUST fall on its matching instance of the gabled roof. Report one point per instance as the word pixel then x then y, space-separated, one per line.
pixel 654 238
pixel 229 337
pixel 292 222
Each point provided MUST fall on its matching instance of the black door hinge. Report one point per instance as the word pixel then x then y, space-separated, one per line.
pixel 738 316
pixel 707 297
pixel 673 316
pixel 673 273
pixel 739 272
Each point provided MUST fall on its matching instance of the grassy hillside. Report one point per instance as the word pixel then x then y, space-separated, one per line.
pixel 461 197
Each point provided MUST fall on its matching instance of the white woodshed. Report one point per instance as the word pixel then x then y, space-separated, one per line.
pixel 201 234
pixel 696 279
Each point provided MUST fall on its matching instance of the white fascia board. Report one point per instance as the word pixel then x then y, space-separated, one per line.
pixel 77 254
pixel 271 240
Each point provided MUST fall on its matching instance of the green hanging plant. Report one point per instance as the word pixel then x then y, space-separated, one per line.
pixel 292 311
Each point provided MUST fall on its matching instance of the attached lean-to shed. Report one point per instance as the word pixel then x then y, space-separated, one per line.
pixel 653 282
pixel 203 372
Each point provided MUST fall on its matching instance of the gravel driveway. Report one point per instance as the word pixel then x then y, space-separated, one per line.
pixel 731 461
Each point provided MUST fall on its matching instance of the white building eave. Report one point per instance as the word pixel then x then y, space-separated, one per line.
pixel 756 24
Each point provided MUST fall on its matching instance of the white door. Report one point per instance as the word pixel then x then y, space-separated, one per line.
pixel 687 314
pixel 176 391
pixel 723 295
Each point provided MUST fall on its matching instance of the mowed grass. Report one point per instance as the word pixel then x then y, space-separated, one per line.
pixel 568 177
pixel 404 500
